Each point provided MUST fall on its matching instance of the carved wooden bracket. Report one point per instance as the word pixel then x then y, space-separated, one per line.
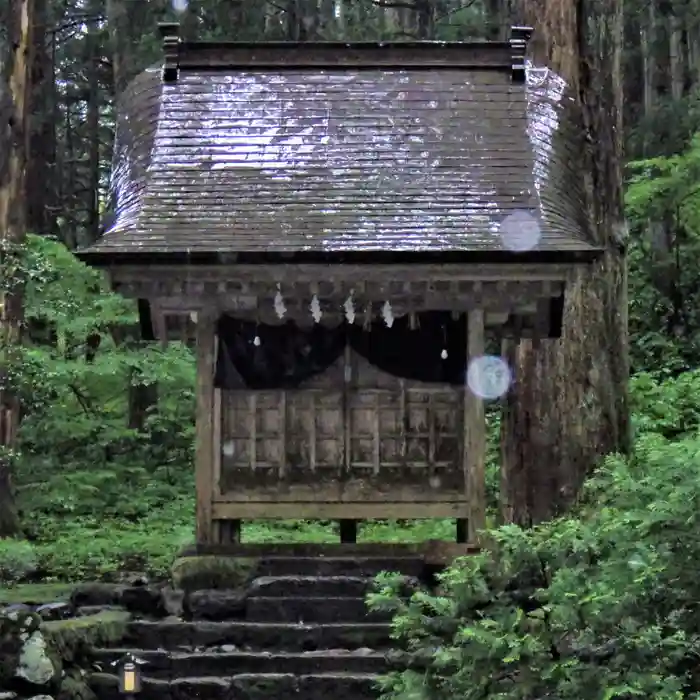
pixel 523 301
pixel 170 34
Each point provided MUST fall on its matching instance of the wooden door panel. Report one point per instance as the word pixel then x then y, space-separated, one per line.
pixel 370 437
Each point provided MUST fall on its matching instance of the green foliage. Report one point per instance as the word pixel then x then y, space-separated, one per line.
pixel 663 208
pixel 603 605
pixel 598 605
pixel 17 560
pixel 97 496
pixel 668 406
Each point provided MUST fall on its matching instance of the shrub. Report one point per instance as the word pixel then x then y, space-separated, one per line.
pixel 598 606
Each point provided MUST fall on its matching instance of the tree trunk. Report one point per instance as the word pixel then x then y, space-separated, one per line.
pixel 15 98
pixel 648 57
pixel 568 407
pixel 93 125
pixel 40 166
pixel 118 24
pixel 676 54
pixel 141 397
pixel 496 14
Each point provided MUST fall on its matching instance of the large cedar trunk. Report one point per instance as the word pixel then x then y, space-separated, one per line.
pixel 15 94
pixel 568 407
pixel 41 203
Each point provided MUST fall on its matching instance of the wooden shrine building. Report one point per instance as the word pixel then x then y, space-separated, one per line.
pixel 348 222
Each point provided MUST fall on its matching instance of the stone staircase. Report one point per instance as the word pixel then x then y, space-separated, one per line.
pixel 301 629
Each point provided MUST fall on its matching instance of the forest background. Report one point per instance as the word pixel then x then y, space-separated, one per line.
pixel 103 478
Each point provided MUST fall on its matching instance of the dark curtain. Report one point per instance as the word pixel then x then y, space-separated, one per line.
pixel 285 357
pixel 416 353
pixel 288 355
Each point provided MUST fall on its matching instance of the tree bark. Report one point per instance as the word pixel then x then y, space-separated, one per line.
pixel 648 47
pixel 496 16
pixel 15 99
pixel 40 166
pixel 568 407
pixel 92 59
pixel 676 53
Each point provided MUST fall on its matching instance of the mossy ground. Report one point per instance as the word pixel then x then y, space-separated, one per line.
pixel 36 593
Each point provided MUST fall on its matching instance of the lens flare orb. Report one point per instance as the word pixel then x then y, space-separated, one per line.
pixel 489 377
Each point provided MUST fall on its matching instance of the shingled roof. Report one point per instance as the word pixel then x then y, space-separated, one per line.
pixel 337 148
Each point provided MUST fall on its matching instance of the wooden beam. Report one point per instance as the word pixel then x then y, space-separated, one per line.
pixel 216 440
pixel 204 452
pixel 328 490
pixel 378 273
pixel 334 511
pixel 475 435
pixel 432 551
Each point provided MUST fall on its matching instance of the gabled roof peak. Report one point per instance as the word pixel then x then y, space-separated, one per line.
pixel 211 55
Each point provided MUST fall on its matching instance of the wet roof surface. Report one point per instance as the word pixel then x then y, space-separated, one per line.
pixel 326 159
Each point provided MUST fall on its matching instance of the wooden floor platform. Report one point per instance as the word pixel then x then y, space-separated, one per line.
pixel 433 552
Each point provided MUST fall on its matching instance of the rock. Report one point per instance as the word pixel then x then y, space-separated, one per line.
pixel 133 578
pixel 41 697
pixel 143 600
pixel 7 695
pixel 90 610
pixel 21 652
pixel 253 686
pixel 55 611
pixel 173 601
pixel 36 665
pixel 97 594
pixel 16 608
pixel 215 605
pixel 213 572
pixel 74 687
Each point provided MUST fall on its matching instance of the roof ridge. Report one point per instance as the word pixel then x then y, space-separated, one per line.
pixel 217 55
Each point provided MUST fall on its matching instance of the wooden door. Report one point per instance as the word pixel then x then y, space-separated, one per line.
pixel 353 438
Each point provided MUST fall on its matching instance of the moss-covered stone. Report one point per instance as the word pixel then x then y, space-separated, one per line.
pixel 38 662
pixel 42 657
pixel 15 628
pixel 72 637
pixel 213 572
pixel 74 687
pixel 25 653
pixel 260 687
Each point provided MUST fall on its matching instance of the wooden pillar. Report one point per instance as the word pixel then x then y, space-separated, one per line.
pixel 475 434
pixel 204 451
pixel 348 531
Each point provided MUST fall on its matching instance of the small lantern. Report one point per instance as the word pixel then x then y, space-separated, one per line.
pixel 129 679
pixel 129 675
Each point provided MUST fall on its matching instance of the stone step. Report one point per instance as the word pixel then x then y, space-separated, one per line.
pixel 256 635
pixel 267 686
pixel 311 609
pixel 290 586
pixel 171 665
pixel 339 566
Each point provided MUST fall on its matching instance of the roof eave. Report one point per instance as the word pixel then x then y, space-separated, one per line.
pixel 105 259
